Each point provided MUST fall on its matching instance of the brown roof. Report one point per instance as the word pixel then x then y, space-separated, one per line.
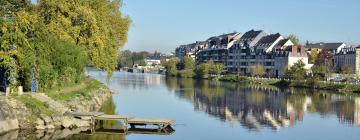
pixel 331 46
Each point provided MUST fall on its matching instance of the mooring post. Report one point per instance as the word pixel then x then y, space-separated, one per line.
pixel 101 124
pixel 20 90
pixel 7 92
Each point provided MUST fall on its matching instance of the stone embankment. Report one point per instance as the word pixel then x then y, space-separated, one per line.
pixel 15 114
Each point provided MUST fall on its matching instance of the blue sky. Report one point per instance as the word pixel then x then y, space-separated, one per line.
pixel 165 24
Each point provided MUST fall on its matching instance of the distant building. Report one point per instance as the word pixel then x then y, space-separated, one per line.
pixel 218 48
pixel 190 49
pixel 348 57
pixel 152 61
pixel 334 48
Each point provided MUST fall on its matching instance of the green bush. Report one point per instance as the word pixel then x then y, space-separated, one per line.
pixel 187 73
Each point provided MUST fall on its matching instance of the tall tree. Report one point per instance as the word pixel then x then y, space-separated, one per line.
pixel 313 56
pixel 297 71
pixel 96 25
pixel 294 39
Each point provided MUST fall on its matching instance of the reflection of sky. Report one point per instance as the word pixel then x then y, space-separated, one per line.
pixel 143 98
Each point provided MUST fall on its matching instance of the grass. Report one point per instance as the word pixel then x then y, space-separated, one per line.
pixel 60 94
pixel 37 107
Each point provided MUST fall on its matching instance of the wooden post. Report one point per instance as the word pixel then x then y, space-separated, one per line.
pixel 20 90
pixel 7 93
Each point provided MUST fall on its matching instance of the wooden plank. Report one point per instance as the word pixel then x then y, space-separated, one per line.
pixel 86 114
pixel 150 121
pixel 113 117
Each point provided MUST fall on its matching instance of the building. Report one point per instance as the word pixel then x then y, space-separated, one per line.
pixel 217 48
pixel 287 57
pixel 190 49
pixel 273 52
pixel 348 57
pixel 249 39
pixel 152 61
pixel 334 48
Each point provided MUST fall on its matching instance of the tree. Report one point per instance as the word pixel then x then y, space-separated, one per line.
pixel 257 70
pixel 188 67
pixel 297 71
pixel 217 69
pixel 96 25
pixel 313 56
pixel 202 70
pixel 170 66
pixel 347 71
pixel 324 59
pixel 293 38
pixel 189 63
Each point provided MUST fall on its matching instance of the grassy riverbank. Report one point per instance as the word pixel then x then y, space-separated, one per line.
pixel 49 110
pixel 69 92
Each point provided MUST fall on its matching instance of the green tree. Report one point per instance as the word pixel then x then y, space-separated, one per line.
pixel 294 39
pixel 217 69
pixel 297 71
pixel 189 63
pixel 171 67
pixel 257 70
pixel 202 70
pixel 96 25
pixel 313 56
pixel 189 67
pixel 347 72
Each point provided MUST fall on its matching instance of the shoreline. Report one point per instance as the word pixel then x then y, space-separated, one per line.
pixel 343 88
pixel 42 111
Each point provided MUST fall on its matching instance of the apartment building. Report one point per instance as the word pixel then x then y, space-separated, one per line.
pixel 190 49
pixel 348 57
pixel 218 48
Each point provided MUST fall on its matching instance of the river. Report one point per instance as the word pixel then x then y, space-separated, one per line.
pixel 212 110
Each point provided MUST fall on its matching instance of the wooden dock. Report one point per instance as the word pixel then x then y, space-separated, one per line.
pixel 163 125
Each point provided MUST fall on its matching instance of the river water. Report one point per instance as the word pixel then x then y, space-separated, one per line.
pixel 211 110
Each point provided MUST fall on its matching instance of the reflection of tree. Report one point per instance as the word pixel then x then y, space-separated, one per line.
pixel 257 97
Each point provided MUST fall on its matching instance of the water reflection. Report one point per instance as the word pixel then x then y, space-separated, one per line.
pixel 257 107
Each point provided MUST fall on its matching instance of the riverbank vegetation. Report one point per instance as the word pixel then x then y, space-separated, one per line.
pixel 69 92
pixel 48 43
pixel 187 68
pixel 295 76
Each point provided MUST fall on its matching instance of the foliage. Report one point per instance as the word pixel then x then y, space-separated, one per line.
pixel 297 71
pixel 189 63
pixel 347 71
pixel 97 25
pixel 58 94
pixel 313 56
pixel 171 67
pixel 216 69
pixel 257 70
pixel 293 38
pixel 324 59
pixel 37 107
pixel 202 70
pixel 128 58
pixel 186 73
pixel 57 38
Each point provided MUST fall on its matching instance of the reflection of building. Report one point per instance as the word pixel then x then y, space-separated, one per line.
pixel 260 107
pixel 357 111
